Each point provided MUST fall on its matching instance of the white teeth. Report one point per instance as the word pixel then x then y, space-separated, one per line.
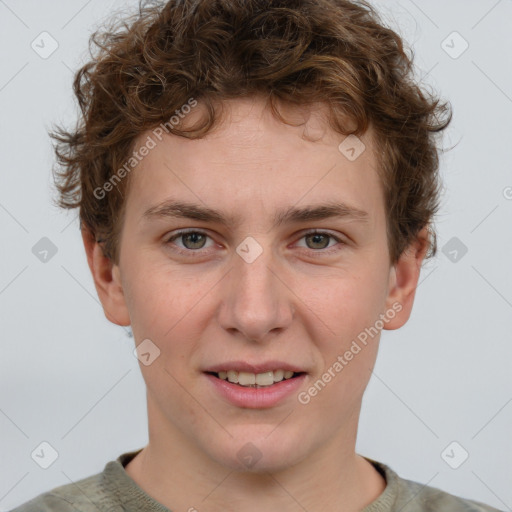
pixel 278 375
pixel 232 376
pixel 265 379
pixel 255 380
pixel 246 379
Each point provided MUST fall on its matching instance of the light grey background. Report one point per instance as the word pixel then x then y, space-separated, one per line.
pixel 69 377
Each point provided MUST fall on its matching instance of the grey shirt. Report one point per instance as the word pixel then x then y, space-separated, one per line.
pixel 113 490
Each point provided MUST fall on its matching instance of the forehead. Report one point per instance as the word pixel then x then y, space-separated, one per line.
pixel 252 163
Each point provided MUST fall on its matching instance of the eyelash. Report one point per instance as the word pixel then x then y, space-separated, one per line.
pixel 315 252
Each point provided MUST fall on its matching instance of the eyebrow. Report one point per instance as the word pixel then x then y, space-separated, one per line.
pixel 185 210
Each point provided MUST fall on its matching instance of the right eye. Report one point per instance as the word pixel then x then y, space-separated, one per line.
pixel 192 240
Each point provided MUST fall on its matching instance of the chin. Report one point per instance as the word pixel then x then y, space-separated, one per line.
pixel 259 453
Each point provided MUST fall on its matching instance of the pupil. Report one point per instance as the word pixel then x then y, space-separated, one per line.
pixel 194 237
pixel 316 237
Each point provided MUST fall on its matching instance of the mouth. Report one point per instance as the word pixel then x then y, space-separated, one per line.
pixel 256 380
pixel 253 385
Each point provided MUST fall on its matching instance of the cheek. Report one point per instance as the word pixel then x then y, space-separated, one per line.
pixel 346 301
pixel 169 309
pixel 155 299
pixel 350 309
pixel 349 352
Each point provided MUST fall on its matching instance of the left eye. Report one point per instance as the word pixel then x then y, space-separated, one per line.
pixel 319 238
pixel 194 240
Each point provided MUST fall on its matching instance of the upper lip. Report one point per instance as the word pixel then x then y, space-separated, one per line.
pixel 244 366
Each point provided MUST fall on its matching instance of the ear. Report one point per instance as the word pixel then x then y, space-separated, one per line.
pixel 403 280
pixel 107 280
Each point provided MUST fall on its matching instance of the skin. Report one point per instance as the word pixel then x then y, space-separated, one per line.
pixel 296 302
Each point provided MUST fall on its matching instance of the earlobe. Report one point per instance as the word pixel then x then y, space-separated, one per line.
pixel 106 276
pixel 404 277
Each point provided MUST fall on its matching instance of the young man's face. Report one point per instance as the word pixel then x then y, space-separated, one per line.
pixel 254 294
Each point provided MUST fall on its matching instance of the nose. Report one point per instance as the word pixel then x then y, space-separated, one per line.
pixel 256 299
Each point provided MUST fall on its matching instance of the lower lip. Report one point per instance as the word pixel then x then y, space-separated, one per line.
pixel 257 398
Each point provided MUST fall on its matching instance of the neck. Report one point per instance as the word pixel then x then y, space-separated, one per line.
pixel 334 478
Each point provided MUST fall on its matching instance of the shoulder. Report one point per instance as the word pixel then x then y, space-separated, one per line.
pixel 409 496
pixel 416 497
pixel 84 495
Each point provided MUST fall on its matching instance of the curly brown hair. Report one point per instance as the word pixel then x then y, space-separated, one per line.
pixel 145 67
